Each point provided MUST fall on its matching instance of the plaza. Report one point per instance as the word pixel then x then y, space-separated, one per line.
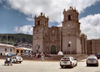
pixel 46 66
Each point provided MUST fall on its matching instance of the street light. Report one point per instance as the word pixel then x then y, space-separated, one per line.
pixel 70 47
pixel 60 52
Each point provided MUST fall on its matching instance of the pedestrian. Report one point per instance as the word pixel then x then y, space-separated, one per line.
pixel 43 57
pixel 8 61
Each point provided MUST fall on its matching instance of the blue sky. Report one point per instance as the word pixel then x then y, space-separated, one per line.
pixel 17 16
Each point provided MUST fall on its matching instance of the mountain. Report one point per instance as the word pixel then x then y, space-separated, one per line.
pixel 14 39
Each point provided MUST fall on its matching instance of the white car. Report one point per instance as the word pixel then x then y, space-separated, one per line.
pixel 68 61
pixel 92 60
pixel 17 59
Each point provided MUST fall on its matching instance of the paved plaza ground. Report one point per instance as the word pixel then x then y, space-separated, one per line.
pixel 46 66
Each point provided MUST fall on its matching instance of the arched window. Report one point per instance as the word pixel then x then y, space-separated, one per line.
pixel 17 51
pixel 21 51
pixel 68 45
pixel 10 50
pixel 38 23
pixel 69 17
pixel 5 50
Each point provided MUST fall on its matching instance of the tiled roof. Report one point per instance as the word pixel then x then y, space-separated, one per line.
pixel 19 48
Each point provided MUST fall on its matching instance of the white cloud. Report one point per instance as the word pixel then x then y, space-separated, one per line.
pixel 30 19
pixel 52 8
pixel 60 25
pixel 27 29
pixel 90 25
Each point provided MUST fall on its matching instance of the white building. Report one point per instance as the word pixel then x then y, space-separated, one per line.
pixel 5 48
pixel 27 51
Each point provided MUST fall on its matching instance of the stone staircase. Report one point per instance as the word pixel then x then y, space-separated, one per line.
pixel 53 57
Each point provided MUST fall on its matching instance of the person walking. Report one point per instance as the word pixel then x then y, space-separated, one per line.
pixel 43 57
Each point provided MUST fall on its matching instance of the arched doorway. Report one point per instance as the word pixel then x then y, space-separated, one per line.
pixel 53 49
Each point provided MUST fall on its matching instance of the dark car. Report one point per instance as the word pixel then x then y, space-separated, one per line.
pixel 98 55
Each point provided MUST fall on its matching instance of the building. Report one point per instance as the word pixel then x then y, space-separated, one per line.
pixel 67 38
pixel 23 51
pixel 5 48
pixel 27 51
pixel 19 51
pixel 93 46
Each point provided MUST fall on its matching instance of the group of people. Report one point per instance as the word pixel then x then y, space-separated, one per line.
pixel 7 60
pixel 42 55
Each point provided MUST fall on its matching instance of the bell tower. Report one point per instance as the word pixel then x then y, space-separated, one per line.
pixel 71 31
pixel 41 24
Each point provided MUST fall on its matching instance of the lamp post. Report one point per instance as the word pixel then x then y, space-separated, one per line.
pixel 60 52
pixel 70 47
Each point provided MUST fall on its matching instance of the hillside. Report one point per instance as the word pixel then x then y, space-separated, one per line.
pixel 14 39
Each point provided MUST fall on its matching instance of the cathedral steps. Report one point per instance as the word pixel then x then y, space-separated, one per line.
pixel 53 57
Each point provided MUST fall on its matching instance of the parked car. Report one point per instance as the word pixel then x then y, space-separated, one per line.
pixel 92 60
pixel 68 61
pixel 98 55
pixel 17 59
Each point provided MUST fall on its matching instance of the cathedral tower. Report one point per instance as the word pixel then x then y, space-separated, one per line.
pixel 41 23
pixel 71 31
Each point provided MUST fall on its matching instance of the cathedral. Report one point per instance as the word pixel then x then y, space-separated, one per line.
pixel 67 38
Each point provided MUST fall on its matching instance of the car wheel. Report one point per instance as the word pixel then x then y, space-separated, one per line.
pixel 72 66
pixel 20 62
pixel 62 66
pixel 97 65
pixel 87 64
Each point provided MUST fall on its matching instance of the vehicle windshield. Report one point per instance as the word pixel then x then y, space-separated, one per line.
pixel 91 58
pixel 65 59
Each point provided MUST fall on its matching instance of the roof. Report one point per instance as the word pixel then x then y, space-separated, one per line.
pixel 23 48
pixel 27 49
pixel 19 48
pixel 7 45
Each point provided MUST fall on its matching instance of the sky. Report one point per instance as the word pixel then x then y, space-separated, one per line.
pixel 17 16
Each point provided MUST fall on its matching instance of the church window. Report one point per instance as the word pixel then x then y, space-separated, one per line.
pixel 90 43
pixel 68 34
pixel 38 23
pixel 68 45
pixel 69 17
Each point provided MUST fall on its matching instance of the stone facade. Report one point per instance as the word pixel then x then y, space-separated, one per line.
pixel 93 46
pixel 67 38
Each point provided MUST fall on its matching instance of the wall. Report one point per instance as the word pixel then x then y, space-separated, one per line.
pixel 2 50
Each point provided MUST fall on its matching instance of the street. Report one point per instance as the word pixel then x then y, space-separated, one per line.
pixel 45 66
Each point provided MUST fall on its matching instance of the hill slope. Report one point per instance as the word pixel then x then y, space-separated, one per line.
pixel 15 38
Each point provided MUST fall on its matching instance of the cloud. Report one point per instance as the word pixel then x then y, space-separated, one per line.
pixel 51 8
pixel 60 25
pixel 0 1
pixel 90 25
pixel 30 19
pixel 6 7
pixel 26 29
